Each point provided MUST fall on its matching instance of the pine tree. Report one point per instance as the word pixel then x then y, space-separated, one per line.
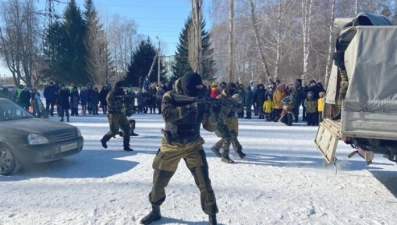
pixel 98 57
pixel 142 59
pixel 55 48
pixel 181 65
pixel 75 55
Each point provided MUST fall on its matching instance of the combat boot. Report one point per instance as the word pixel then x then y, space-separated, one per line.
pixel 241 154
pixel 105 139
pixel 212 219
pixel 127 148
pixel 225 157
pixel 154 215
pixel 216 151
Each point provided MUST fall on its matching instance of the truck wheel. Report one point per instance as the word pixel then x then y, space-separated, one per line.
pixel 8 162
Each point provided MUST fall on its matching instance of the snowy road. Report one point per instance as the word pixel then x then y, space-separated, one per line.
pixel 282 181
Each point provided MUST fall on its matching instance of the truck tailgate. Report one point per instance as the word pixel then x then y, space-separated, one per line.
pixel 327 139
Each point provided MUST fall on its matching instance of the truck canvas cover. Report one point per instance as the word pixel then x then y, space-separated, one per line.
pixel 370 106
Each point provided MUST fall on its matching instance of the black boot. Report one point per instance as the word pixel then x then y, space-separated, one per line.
pixel 103 142
pixel 241 154
pixel 216 151
pixel 212 219
pixel 225 157
pixel 154 215
pixel 127 148
pixel 105 139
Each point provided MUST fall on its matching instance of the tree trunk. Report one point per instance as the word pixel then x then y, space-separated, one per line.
pixel 306 15
pixel 231 41
pixel 331 45
pixel 256 33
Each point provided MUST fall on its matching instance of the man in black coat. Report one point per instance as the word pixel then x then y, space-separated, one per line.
pixel 50 95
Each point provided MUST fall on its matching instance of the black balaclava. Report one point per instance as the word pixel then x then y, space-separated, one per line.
pixel 118 87
pixel 189 83
pixel 231 88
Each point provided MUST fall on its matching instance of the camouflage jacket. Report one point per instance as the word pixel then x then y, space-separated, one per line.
pixel 118 102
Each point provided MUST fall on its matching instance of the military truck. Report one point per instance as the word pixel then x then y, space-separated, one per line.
pixel 360 106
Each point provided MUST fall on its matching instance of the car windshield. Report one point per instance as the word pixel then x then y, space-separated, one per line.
pixel 11 111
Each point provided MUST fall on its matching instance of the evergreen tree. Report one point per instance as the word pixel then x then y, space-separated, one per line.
pixel 142 59
pixel 181 65
pixel 55 48
pixel 75 55
pixel 98 57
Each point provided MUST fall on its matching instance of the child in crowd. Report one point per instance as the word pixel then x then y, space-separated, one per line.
pixel 268 106
pixel 214 90
pixel 320 105
pixel 311 110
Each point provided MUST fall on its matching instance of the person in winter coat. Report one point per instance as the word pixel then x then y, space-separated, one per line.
pixel 64 102
pixel 140 100
pixel 159 96
pixel 320 105
pixel 259 98
pixel 184 142
pixel 74 102
pixel 298 98
pixel 268 106
pixel 102 99
pixel 227 129
pixel 311 110
pixel 278 96
pixel 83 100
pixel 248 100
pixel 25 97
pixel 50 95
pixel 287 114
pixel 89 101
pixel 94 101
pixel 241 92
pixel 214 90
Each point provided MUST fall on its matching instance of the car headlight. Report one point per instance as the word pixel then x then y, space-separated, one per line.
pixel 37 139
pixel 78 132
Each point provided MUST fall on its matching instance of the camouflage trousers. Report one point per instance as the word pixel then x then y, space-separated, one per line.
pixel 116 122
pixel 196 162
pixel 228 133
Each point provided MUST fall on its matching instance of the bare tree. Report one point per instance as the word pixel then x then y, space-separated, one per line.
pixel 331 43
pixel 262 54
pixel 195 51
pixel 122 36
pixel 306 16
pixel 19 37
pixel 231 40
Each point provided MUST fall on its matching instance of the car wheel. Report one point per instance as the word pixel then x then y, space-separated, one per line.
pixel 8 162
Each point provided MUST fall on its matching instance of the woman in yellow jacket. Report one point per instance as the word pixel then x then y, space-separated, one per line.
pixel 278 97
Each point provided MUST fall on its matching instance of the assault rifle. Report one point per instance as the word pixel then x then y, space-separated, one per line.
pixel 225 104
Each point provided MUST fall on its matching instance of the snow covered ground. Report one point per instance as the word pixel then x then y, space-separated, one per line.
pixel 282 181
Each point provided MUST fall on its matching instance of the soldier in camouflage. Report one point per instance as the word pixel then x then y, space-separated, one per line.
pixel 227 128
pixel 119 108
pixel 183 141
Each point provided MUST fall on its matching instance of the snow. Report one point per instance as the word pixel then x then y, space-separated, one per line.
pixel 282 181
